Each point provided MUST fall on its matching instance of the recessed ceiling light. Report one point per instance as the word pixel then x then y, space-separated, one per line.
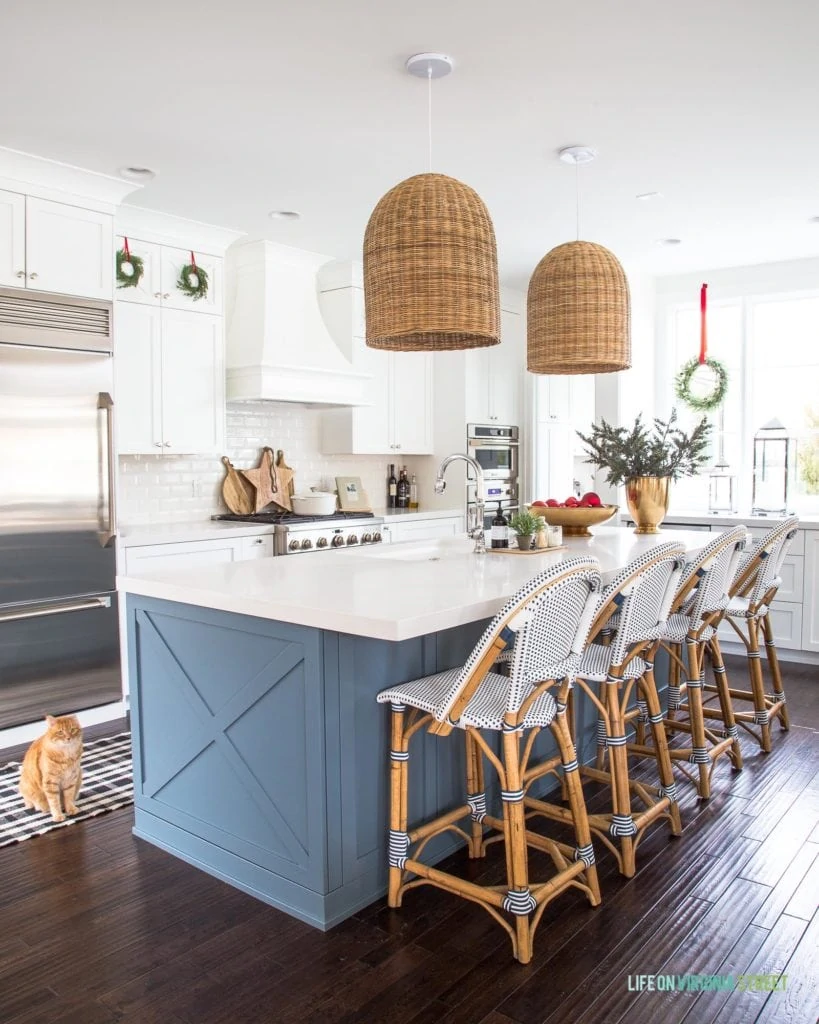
pixel 137 173
pixel 668 241
pixel 283 215
pixel 646 196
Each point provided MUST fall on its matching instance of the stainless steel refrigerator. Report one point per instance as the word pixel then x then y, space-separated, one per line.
pixel 59 639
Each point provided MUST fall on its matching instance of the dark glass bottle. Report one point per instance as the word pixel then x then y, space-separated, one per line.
pixel 392 488
pixel 403 489
pixel 500 530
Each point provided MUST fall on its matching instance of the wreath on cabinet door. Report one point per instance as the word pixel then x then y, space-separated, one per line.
pixel 699 399
pixel 130 268
pixel 193 280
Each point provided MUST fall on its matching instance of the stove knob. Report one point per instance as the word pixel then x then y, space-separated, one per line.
pixel 338 540
pixel 352 539
pixel 306 545
pixel 321 542
pixel 294 545
pixel 366 538
pixel 376 537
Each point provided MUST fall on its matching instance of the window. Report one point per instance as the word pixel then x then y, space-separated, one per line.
pixel 770 346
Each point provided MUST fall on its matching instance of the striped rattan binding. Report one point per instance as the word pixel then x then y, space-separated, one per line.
pixel 578 312
pixel 431 268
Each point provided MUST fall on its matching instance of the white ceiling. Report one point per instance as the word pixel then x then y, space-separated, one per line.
pixel 243 107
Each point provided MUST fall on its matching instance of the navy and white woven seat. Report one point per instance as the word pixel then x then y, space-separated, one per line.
pixel 549 621
pixel 641 596
pixel 699 606
pixel 753 589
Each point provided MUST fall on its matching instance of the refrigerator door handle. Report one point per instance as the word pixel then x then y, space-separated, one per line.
pixel 55 609
pixel 107 536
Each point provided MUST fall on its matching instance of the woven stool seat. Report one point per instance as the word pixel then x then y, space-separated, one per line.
pixel 487 708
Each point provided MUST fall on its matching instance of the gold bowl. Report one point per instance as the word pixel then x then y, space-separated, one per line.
pixel 575 521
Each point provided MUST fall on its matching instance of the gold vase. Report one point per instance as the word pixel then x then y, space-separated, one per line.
pixel 647 499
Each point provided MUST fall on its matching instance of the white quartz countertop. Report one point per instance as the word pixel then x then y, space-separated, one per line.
pixel 143 535
pixel 389 591
pixel 806 522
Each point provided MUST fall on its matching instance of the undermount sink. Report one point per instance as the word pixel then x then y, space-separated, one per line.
pixel 420 550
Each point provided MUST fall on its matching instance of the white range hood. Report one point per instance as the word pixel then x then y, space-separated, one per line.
pixel 278 346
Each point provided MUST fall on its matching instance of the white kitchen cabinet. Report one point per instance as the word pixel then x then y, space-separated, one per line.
pixel 258 547
pixel 148 291
pixel 162 264
pixel 55 247
pixel 186 555
pixel 172 261
pixel 398 419
pixel 421 529
pixel 810 604
pixel 12 239
pixel 169 381
pixel 68 249
pixel 137 379
pixel 494 376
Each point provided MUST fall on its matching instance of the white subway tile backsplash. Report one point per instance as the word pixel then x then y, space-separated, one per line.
pixel 163 488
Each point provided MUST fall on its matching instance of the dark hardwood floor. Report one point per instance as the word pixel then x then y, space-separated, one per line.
pixel 98 926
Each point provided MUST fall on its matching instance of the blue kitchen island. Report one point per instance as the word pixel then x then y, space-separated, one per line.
pixel 260 754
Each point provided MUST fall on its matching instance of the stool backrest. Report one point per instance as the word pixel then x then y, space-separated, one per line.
pixel 706 579
pixel 757 576
pixel 642 592
pixel 548 619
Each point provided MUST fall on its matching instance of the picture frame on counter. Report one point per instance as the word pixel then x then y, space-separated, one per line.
pixel 351 495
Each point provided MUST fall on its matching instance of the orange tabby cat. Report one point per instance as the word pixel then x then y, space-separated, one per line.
pixel 51 768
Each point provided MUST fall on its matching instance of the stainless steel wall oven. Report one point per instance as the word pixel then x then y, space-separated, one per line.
pixel 496 449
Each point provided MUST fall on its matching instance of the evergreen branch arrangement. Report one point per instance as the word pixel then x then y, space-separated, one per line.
pixel 664 450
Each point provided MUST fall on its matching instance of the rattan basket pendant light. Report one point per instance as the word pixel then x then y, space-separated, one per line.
pixel 430 258
pixel 578 309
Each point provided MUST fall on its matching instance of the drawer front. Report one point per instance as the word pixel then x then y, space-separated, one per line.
pixel 793 575
pixel 258 547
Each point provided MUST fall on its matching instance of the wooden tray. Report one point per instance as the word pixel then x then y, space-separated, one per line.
pixel 531 551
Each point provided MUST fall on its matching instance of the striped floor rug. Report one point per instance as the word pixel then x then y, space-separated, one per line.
pixel 107 783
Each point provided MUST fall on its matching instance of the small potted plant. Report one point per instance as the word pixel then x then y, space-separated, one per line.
pixel 524 524
pixel 646 459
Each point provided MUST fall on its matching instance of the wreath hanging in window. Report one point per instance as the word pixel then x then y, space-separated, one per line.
pixel 702 382
pixel 193 280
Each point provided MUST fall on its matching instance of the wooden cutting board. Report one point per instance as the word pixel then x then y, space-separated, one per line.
pixel 236 491
pixel 263 479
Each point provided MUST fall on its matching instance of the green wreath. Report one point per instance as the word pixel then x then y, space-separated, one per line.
pixel 130 269
pixel 704 403
pixel 193 282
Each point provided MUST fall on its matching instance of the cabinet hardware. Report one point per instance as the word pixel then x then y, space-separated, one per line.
pixel 166 295
pixel 157 444
pixel 56 609
pixel 157 295
pixel 20 273
pixel 33 276
pixel 166 444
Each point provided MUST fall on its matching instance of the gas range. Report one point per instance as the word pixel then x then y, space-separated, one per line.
pixel 302 534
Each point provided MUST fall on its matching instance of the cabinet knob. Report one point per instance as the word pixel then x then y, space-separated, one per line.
pixel 259 541
pixel 20 273
pixel 157 295
pixel 166 444
pixel 166 295
pixel 398 446
pixel 33 276
pixel 157 444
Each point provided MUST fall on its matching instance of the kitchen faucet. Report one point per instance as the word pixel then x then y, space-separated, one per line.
pixel 475 527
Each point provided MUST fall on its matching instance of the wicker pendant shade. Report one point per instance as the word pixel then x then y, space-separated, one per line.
pixel 578 312
pixel 431 268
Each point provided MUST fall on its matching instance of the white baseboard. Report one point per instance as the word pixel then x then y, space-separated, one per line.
pixel 20 734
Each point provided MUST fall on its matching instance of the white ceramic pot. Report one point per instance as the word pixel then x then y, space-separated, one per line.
pixel 316 503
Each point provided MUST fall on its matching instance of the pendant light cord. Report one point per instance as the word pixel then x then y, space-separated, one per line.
pixel 429 115
pixel 577 196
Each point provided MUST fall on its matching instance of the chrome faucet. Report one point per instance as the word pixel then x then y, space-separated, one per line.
pixel 474 525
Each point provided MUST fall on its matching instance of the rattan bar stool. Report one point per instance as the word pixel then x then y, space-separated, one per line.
pixel 751 594
pixel 641 595
pixel 697 610
pixel 549 621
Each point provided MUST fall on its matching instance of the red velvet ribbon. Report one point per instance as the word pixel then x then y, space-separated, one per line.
pixel 126 250
pixel 703 330
pixel 193 260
